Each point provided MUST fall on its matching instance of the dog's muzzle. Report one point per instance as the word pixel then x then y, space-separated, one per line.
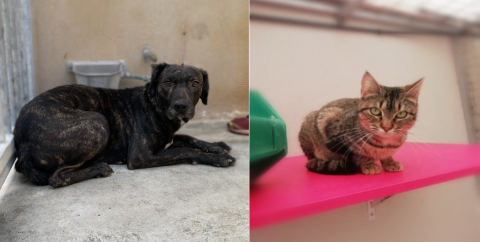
pixel 180 109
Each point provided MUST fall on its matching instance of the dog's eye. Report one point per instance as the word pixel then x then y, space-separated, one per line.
pixel 168 83
pixel 194 84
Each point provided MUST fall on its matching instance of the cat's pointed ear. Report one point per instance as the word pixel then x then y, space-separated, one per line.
pixel 413 90
pixel 370 87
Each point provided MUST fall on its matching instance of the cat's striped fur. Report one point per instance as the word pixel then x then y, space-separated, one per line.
pixel 346 136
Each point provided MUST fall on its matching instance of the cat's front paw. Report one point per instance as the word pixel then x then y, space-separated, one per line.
pixel 370 168
pixel 392 166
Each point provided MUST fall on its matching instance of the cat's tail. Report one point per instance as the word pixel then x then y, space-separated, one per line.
pixel 332 167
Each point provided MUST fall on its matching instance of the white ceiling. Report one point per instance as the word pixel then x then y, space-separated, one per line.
pixel 467 10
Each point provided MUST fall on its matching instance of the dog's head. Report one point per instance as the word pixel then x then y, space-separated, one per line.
pixel 176 89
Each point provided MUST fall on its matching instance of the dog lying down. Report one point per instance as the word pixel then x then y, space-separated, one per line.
pixel 71 133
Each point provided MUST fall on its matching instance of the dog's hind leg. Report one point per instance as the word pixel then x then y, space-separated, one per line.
pixel 26 167
pixel 66 149
pixel 68 175
pixel 86 141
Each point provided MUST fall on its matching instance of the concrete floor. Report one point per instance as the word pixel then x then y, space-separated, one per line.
pixel 173 203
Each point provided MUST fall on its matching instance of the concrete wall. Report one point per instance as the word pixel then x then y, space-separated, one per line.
pixel 216 39
pixel 299 69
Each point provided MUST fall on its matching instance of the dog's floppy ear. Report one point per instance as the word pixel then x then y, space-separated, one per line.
pixel 205 86
pixel 156 72
pixel 154 65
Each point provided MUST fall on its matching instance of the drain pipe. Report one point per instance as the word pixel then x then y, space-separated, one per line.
pixel 133 76
pixel 128 75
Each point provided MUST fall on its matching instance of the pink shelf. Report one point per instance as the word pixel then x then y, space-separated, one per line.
pixel 288 191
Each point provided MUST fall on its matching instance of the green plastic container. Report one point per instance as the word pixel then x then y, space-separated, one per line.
pixel 268 136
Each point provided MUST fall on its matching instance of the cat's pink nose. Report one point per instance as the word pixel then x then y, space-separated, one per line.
pixel 386 128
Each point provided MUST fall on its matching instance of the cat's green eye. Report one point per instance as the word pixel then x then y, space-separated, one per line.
pixel 401 114
pixel 375 111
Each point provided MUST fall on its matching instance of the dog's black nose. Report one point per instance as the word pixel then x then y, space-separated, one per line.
pixel 180 107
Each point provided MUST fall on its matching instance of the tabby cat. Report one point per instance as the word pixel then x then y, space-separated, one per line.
pixel 346 136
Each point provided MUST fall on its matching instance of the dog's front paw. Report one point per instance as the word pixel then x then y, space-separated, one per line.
pixel 222 148
pixel 224 160
pixel 217 148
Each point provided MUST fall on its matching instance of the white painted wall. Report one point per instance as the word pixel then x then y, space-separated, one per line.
pixel 299 69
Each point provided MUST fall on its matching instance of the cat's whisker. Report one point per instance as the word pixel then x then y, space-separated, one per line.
pixel 411 145
pixel 424 149
pixel 432 149
pixel 356 128
pixel 418 141
pixel 339 136
pixel 342 135
pixel 361 148
pixel 351 146
pixel 415 136
pixel 347 132
pixel 343 143
pixel 350 149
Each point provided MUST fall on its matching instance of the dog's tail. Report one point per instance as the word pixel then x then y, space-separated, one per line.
pixel 26 167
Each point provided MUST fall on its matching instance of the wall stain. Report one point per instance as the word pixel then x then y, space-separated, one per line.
pixel 200 31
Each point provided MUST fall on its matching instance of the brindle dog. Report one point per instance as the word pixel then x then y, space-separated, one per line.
pixel 71 133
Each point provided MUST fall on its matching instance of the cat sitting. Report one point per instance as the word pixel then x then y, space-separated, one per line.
pixel 346 136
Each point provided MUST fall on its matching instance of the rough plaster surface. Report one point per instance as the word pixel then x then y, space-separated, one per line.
pixel 172 203
pixel 216 39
